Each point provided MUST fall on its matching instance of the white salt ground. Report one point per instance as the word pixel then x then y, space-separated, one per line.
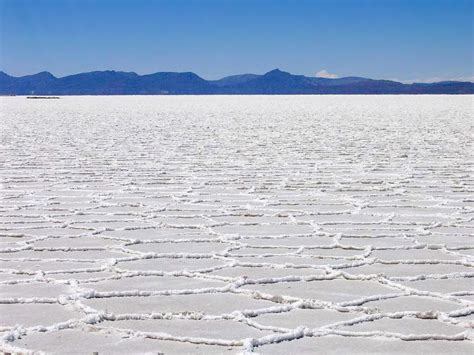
pixel 243 224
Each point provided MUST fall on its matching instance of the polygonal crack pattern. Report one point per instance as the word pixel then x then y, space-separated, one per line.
pixel 236 224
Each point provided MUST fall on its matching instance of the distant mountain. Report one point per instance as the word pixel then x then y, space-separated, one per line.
pixel 274 82
pixel 163 83
pixel 234 79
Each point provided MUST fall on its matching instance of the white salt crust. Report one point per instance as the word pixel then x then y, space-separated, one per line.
pixel 237 224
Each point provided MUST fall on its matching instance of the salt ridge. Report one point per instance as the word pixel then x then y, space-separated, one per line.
pixel 185 184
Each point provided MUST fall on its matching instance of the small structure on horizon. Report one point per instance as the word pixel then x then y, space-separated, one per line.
pixel 42 97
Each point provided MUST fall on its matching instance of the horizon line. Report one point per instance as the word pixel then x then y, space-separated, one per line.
pixel 433 80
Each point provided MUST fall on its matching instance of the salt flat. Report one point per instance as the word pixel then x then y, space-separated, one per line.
pixel 224 225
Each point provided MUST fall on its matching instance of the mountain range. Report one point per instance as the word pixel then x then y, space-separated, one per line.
pixel 274 82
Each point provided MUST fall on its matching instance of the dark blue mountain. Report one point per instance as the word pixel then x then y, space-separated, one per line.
pixel 41 82
pixel 174 83
pixel 234 79
pixel 274 82
pixel 95 83
pixel 162 83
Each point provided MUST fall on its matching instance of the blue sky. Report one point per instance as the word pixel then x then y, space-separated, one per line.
pixel 393 39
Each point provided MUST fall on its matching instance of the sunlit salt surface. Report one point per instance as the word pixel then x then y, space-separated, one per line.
pixel 273 225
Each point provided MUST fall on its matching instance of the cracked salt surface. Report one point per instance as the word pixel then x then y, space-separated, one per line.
pixel 272 225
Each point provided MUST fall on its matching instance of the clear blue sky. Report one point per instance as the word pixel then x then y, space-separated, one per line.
pixel 395 39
